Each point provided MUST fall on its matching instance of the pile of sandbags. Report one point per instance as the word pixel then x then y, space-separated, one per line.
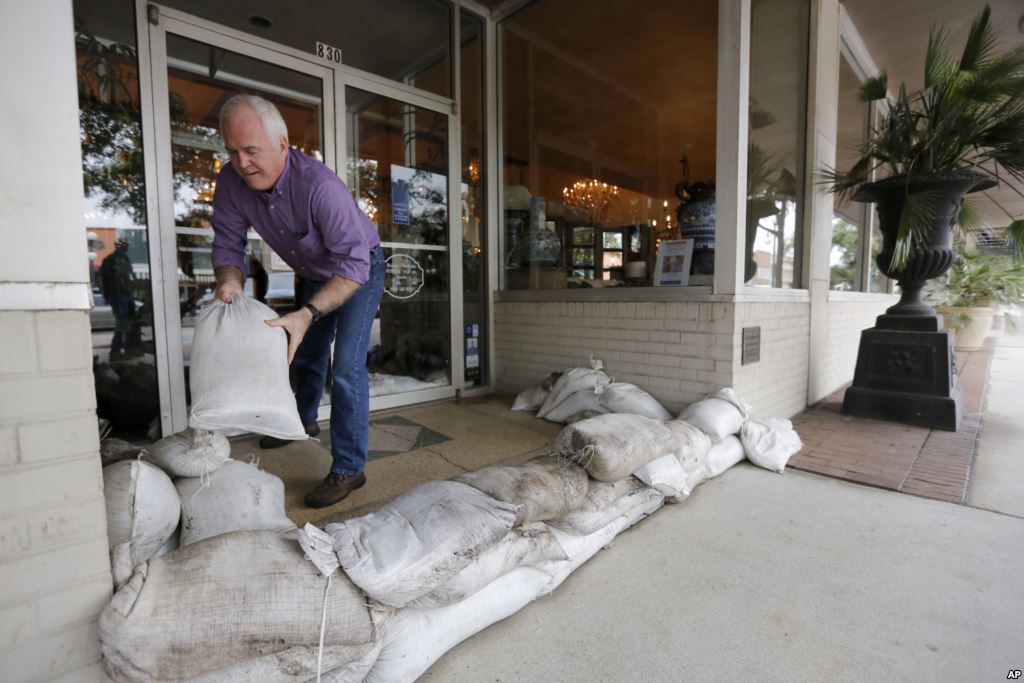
pixel 180 490
pixel 581 393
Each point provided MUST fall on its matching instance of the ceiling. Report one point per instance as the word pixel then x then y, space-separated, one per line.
pixel 895 32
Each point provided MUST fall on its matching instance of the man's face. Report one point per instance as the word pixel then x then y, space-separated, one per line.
pixel 254 156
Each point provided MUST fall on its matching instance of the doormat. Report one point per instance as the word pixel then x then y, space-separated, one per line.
pixel 393 435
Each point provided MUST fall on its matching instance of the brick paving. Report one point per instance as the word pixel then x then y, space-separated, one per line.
pixel 915 460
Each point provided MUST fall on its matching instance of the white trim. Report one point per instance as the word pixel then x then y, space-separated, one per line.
pixel 410 397
pixel 835 296
pixel 853 47
pixel 731 144
pixel 456 293
pixel 493 225
pixel 44 296
pixel 412 246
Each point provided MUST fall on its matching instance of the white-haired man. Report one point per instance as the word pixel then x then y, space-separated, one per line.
pixel 307 215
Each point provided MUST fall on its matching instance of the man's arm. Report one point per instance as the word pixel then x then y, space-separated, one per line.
pixel 331 296
pixel 229 235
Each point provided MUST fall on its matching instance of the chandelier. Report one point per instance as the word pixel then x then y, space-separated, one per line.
pixel 598 198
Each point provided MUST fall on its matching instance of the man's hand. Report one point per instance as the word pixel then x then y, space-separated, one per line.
pixel 295 324
pixel 229 282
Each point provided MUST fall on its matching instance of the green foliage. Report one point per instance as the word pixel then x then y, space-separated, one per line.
pixel 969 116
pixel 977 279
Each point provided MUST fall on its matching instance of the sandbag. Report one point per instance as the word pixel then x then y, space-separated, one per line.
pixel 770 443
pixel 239 372
pixel 190 453
pixel 583 415
pixel 604 503
pixel 543 487
pixel 525 546
pixel 583 401
pixel 621 397
pixel 613 446
pixel 641 512
pixel 142 511
pixel 724 455
pixel 690 442
pixel 224 601
pixel 572 381
pixel 420 540
pixel 341 664
pixel 578 549
pixel 665 474
pixel 237 497
pixel 413 639
pixel 530 399
pixel 718 415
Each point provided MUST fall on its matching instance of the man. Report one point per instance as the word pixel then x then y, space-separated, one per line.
pixel 307 215
pixel 116 280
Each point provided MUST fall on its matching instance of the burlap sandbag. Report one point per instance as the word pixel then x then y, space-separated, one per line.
pixel 604 503
pixel 223 601
pixel 613 446
pixel 544 487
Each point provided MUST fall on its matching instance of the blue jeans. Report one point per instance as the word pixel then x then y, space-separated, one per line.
pixel 349 327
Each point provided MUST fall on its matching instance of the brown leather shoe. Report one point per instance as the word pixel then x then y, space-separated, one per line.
pixel 333 489
pixel 269 442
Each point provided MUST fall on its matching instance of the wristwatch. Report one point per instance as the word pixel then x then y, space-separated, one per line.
pixel 315 311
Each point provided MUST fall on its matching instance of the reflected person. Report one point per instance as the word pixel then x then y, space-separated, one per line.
pixel 116 282
pixel 306 214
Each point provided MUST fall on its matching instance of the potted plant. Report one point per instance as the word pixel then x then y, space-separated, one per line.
pixel 933 145
pixel 973 286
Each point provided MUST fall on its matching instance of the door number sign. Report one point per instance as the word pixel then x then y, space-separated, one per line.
pixel 328 52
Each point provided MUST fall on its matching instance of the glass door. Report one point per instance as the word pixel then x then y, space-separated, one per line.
pixel 202 70
pixel 398 161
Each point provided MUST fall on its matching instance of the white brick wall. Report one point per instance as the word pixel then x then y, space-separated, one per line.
pixel 678 351
pixel 54 568
pixel 775 385
pixel 54 565
pixel 847 316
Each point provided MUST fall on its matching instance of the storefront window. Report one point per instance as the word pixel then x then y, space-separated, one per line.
pixel 607 122
pixel 114 220
pixel 775 152
pixel 403 40
pixel 474 253
pixel 849 221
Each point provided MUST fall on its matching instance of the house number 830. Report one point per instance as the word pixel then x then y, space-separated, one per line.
pixel 331 54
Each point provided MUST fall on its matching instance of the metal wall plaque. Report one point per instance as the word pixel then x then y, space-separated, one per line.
pixel 751 345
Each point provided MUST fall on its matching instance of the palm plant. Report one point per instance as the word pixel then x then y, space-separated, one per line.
pixel 967 121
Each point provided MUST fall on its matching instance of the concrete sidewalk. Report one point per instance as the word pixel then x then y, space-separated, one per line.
pixel 793 577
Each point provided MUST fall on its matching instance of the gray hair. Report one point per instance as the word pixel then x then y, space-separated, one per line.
pixel 266 112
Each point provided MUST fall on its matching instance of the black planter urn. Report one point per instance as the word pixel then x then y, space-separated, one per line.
pixel 934 257
pixel 906 364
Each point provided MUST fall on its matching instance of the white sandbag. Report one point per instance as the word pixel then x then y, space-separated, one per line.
pixel 620 397
pixel 718 415
pixel 237 497
pixel 142 511
pixel 690 442
pixel 530 399
pixel 613 446
pixel 225 601
pixel 418 541
pixel 190 453
pixel 724 455
pixel 665 474
pixel 770 443
pixel 605 502
pixel 525 546
pixel 583 415
pixel 583 401
pixel 340 664
pixel 578 549
pixel 239 372
pixel 641 512
pixel 544 487
pixel 413 639
pixel 572 381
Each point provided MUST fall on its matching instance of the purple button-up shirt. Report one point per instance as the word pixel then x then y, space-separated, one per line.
pixel 309 219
